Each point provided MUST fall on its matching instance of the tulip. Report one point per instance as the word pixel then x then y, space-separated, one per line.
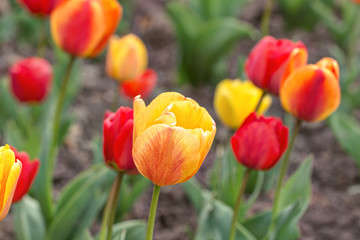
pixel 259 142
pixel 31 79
pixel 27 175
pixel 83 27
pixel 10 169
pixel 172 136
pixel 234 100
pixel 118 139
pixel 312 92
pixel 126 58
pixel 142 85
pixel 40 7
pixel 270 59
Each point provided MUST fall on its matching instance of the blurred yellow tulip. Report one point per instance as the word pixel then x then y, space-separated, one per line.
pixel 126 58
pixel 10 169
pixel 234 100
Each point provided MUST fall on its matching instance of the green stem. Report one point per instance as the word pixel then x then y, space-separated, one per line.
pixel 282 175
pixel 110 209
pixel 42 38
pixel 238 203
pixel 152 213
pixel 260 101
pixel 115 102
pixel 266 17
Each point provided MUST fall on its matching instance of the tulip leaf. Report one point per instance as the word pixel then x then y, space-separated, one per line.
pixel 79 203
pixel 347 132
pixel 128 230
pixel 258 224
pixel 28 220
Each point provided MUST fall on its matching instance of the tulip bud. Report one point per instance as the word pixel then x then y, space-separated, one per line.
pixel 40 7
pixel 172 136
pixel 312 92
pixel 234 100
pixel 83 27
pixel 118 139
pixel 260 142
pixel 126 58
pixel 10 172
pixel 31 79
pixel 142 85
pixel 27 175
pixel 270 59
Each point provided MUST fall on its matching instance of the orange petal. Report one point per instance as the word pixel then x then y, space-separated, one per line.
pixel 167 155
pixel 331 65
pixel 298 58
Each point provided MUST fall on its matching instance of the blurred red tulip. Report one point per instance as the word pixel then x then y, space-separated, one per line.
pixel 142 85
pixel 260 142
pixel 31 79
pixel 27 175
pixel 270 59
pixel 118 136
pixel 83 27
pixel 312 92
pixel 40 7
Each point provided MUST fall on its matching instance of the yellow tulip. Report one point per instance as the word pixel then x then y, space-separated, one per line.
pixel 126 58
pixel 10 170
pixel 234 100
pixel 172 136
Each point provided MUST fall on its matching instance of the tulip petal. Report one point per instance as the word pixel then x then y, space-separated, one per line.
pixel 122 147
pixel 171 163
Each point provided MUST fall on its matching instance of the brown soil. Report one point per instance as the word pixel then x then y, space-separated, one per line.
pixel 334 212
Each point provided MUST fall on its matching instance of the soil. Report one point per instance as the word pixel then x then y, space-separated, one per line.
pixel 334 211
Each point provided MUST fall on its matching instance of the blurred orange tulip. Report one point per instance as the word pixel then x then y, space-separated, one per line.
pixel 126 58
pixel 312 92
pixel 10 169
pixel 172 137
pixel 83 27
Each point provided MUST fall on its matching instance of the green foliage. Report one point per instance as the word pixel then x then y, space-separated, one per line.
pixel 128 230
pixel 204 39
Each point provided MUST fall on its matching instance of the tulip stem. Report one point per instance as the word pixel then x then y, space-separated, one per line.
pixel 110 209
pixel 266 17
pixel 238 203
pixel 42 37
pixel 284 167
pixel 115 102
pixel 152 213
pixel 260 101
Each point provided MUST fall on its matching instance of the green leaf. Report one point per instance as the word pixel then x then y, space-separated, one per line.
pixel 347 132
pixel 258 224
pixel 128 230
pixel 194 193
pixel 28 220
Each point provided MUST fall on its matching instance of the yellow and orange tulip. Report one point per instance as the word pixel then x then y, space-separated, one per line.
pixel 172 136
pixel 127 58
pixel 234 100
pixel 10 169
pixel 312 92
pixel 83 27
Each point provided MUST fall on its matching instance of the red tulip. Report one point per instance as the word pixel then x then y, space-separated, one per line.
pixel 118 138
pixel 142 85
pixel 40 7
pixel 270 59
pixel 260 142
pixel 31 79
pixel 27 175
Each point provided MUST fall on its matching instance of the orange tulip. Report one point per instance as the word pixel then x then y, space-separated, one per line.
pixel 83 27
pixel 312 92
pixel 172 136
pixel 126 58
pixel 10 169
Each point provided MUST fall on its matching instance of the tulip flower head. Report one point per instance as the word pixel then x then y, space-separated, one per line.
pixel 10 169
pixel 260 142
pixel 40 7
pixel 31 79
pixel 143 85
pixel 27 176
pixel 234 100
pixel 312 92
pixel 83 27
pixel 118 139
pixel 126 58
pixel 172 136
pixel 270 59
